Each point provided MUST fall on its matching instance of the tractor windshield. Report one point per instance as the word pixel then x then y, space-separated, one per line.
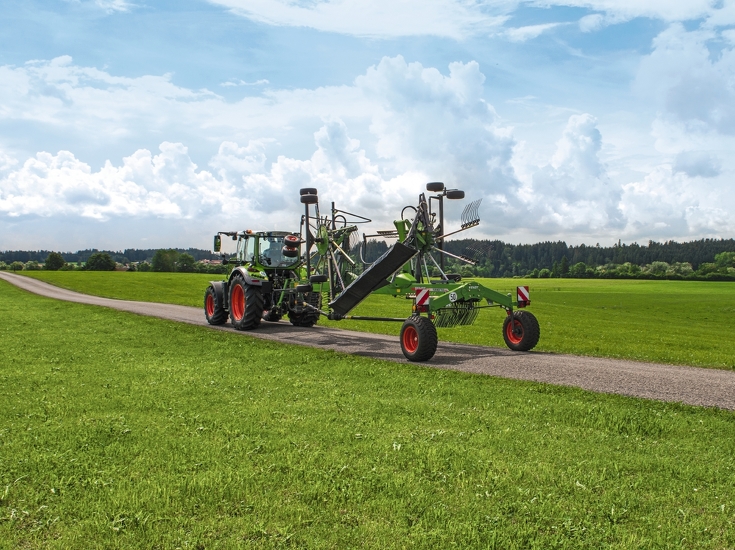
pixel 271 252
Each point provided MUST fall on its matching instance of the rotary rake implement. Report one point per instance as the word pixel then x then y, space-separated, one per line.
pixel 298 284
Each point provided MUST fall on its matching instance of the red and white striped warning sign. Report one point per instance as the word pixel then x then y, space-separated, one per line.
pixel 422 296
pixel 523 294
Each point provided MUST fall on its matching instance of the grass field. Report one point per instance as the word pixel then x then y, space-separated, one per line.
pixel 677 322
pixel 120 431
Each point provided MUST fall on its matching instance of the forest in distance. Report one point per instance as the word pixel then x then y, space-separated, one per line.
pixel 700 259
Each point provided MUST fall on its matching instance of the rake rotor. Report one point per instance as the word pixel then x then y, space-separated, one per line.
pixel 460 313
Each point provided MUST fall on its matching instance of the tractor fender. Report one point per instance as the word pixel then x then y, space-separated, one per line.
pixel 220 289
pixel 259 280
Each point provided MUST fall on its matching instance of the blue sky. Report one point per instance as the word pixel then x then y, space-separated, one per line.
pixel 146 124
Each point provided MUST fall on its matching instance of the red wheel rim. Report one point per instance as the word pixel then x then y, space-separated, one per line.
pixel 410 339
pixel 210 305
pixel 514 338
pixel 238 302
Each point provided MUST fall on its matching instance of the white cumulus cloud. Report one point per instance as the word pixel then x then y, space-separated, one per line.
pixel 415 124
pixel 167 185
pixel 573 192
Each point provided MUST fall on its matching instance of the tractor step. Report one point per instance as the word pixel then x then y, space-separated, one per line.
pixel 372 278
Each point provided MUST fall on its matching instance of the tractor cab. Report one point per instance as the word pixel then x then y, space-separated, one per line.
pixel 264 250
pixel 268 250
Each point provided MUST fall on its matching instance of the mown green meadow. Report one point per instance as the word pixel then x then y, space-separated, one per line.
pixel 677 322
pixel 121 431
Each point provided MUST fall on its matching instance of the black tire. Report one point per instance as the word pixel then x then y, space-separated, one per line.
pixel 307 191
pixel 418 338
pixel 455 194
pixel 435 187
pixel 246 304
pixel 309 199
pixel 307 317
pixel 318 278
pixel 271 316
pixel 524 333
pixel 214 309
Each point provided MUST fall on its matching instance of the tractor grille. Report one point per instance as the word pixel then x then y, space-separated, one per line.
pixel 459 313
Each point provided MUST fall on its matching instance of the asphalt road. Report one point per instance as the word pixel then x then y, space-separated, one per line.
pixel 690 385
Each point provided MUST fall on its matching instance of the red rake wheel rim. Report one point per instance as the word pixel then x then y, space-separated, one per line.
pixel 238 302
pixel 514 338
pixel 410 339
pixel 210 305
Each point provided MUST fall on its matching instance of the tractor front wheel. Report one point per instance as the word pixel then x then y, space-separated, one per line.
pixel 214 309
pixel 246 304
pixel 521 331
pixel 418 338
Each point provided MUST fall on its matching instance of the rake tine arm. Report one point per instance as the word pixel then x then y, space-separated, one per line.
pixel 343 253
pixel 455 232
pixel 466 260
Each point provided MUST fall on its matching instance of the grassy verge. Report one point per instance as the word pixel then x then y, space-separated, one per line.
pixel 676 322
pixel 185 289
pixel 121 431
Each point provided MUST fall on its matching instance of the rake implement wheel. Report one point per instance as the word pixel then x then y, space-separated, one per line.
pixel 454 194
pixel 418 338
pixel 214 310
pixel 521 331
pixel 246 304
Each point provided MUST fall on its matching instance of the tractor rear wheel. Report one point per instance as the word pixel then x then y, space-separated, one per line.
pixel 214 309
pixel 418 338
pixel 246 304
pixel 521 331
pixel 307 317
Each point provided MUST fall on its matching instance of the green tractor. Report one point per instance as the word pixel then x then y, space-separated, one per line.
pixel 267 283
pixel 275 277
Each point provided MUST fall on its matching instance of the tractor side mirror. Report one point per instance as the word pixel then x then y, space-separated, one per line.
pixel 217 243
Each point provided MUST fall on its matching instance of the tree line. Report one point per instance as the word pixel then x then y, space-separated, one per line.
pixel 700 259
pixel 169 260
pixel 126 256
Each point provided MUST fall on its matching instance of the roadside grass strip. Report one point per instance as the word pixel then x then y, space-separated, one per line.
pixel 674 322
pixel 122 431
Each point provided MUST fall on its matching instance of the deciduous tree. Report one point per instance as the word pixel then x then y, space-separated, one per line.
pixel 100 261
pixel 54 261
